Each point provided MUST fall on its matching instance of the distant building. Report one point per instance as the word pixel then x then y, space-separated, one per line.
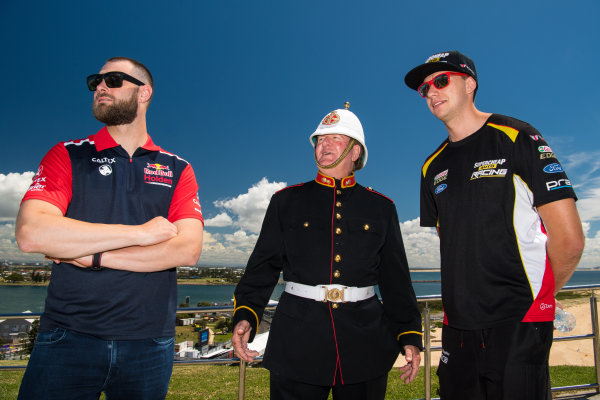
pixel 14 329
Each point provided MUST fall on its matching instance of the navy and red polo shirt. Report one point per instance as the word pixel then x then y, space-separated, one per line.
pixel 95 180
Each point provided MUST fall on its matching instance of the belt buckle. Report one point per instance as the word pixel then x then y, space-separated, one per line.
pixel 335 295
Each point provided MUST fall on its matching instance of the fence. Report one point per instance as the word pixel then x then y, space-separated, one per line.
pixel 428 348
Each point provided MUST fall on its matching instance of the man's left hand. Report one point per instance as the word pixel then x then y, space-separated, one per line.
pixel 412 355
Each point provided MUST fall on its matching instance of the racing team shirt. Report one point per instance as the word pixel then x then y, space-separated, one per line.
pixel 482 193
pixel 95 180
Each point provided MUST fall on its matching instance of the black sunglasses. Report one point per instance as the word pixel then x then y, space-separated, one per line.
pixel 113 79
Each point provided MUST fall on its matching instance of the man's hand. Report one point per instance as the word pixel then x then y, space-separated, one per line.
pixel 157 230
pixel 241 334
pixel 81 262
pixel 413 360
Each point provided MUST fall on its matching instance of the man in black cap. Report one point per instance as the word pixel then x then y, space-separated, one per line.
pixel 510 238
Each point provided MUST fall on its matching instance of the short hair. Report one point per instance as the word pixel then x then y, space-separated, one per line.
pixel 141 68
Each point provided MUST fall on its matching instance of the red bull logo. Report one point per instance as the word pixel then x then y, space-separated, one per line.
pixel 158 169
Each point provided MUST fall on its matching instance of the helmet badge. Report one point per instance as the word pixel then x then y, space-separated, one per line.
pixel 331 119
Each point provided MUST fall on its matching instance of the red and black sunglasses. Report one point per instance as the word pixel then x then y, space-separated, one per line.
pixel 439 81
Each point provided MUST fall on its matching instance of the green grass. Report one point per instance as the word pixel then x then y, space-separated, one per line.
pixel 220 382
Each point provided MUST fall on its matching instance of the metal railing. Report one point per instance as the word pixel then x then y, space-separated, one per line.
pixel 428 348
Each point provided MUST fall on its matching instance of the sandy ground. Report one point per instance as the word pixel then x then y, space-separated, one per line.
pixel 572 352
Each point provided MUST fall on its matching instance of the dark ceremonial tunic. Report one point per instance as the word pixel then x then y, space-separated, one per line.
pixel 328 231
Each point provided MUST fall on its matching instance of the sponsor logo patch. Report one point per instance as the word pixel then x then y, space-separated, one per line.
pixel 158 174
pixel 559 184
pixel 436 57
pixel 105 169
pixel 444 357
pixel 553 168
pixel 544 306
pixel 104 160
pixel 544 149
pixel 37 181
pixel 535 137
pixel 543 156
pixel 442 176
pixel 489 169
pixel 440 188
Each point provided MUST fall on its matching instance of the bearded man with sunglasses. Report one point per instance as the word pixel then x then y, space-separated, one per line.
pixel 510 238
pixel 117 214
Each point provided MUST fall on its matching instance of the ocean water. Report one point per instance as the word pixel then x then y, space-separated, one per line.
pixel 16 299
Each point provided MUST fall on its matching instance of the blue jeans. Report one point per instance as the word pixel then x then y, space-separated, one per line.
pixel 70 365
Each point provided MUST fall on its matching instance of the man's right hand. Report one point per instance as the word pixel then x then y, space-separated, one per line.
pixel 241 334
pixel 155 231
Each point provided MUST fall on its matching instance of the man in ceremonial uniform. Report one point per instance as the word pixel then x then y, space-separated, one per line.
pixel 334 240
pixel 510 238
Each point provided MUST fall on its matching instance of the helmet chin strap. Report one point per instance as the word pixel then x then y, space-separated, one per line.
pixel 334 164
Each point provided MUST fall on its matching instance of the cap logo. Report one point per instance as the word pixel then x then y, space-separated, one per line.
pixel 331 119
pixel 436 57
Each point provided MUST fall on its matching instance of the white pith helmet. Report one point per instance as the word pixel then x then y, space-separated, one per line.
pixel 342 122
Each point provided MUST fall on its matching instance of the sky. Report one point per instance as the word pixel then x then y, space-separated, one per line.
pixel 241 85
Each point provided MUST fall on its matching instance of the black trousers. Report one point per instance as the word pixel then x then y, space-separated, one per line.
pixel 507 362
pixel 283 388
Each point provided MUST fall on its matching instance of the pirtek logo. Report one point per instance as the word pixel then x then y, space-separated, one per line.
pixel 559 184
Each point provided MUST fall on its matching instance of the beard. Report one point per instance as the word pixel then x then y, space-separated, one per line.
pixel 120 112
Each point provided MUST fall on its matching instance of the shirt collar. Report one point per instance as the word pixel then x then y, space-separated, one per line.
pixel 328 181
pixel 103 141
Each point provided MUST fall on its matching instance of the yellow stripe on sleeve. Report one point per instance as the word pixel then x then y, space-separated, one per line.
pixel 510 132
pixel 430 160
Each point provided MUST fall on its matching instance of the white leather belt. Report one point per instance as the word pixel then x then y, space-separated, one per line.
pixel 333 293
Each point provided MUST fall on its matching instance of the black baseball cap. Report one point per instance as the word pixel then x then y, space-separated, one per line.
pixel 444 61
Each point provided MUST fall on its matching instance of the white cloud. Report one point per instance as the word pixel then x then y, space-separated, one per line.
pixel 8 245
pixel 12 188
pixel 217 251
pixel 249 208
pixel 591 253
pixel 219 221
pixel 422 245
pixel 245 212
pixel 584 172
pixel 588 204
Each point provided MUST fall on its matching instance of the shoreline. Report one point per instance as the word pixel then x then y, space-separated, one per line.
pixel 189 281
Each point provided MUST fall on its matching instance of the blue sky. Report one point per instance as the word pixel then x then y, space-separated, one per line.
pixel 240 86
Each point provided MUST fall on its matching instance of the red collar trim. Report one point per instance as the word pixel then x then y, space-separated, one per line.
pixel 348 181
pixel 328 181
pixel 104 141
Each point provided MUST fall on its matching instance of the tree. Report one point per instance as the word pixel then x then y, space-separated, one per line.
pixel 224 324
pixel 14 277
pixel 35 325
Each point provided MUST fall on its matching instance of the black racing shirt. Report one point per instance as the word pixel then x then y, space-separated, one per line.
pixel 482 193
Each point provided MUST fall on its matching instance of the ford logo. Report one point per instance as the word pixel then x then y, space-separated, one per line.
pixel 553 168
pixel 440 188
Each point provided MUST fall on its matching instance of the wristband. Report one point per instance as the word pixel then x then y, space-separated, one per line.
pixel 96 259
